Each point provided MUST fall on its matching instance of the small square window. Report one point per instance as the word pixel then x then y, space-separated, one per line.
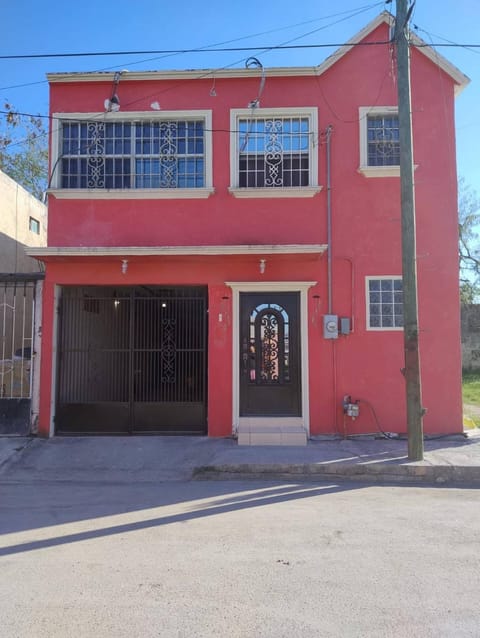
pixel 34 225
pixel 384 303
pixel 379 141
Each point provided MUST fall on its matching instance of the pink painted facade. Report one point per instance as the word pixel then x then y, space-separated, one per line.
pixel 289 232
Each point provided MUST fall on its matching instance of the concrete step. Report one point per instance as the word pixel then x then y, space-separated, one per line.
pixel 272 435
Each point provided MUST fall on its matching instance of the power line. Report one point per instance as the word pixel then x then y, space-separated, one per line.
pixel 346 16
pixel 201 50
pixel 230 49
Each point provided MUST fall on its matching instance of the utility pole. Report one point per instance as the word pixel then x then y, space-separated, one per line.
pixel 409 251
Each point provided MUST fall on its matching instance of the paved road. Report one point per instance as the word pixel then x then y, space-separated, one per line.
pixel 237 559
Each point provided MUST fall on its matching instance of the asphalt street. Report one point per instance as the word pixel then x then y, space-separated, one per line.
pixel 235 558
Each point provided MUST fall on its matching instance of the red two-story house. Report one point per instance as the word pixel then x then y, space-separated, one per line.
pixel 224 249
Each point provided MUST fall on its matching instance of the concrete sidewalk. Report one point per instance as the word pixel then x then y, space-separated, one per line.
pixel 452 460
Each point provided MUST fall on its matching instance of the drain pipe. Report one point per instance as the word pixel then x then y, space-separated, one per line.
pixel 328 133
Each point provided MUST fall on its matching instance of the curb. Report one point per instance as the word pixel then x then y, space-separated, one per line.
pixel 378 472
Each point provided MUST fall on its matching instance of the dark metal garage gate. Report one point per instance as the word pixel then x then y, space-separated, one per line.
pixel 132 360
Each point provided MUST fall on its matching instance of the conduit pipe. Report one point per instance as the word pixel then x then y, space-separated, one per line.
pixel 328 134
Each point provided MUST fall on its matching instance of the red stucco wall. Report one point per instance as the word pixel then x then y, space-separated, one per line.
pixel 366 237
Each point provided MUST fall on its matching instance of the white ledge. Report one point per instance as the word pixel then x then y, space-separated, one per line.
pixel 142 251
pixel 300 191
pixel 380 171
pixel 131 193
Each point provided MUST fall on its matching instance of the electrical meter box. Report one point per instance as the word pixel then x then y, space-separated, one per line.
pixel 330 326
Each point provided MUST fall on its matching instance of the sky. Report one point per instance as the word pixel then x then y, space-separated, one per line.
pixel 105 26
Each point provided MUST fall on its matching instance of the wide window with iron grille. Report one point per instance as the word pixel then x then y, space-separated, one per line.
pixel 274 149
pixel 133 154
pixel 384 303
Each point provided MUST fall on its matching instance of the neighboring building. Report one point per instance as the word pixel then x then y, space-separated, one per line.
pixel 189 288
pixel 23 223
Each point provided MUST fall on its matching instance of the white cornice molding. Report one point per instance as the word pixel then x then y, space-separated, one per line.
pixel 197 74
pixel 165 251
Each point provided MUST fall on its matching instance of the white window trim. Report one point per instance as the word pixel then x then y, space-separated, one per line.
pixel 131 193
pixel 364 168
pixel 367 303
pixel 307 191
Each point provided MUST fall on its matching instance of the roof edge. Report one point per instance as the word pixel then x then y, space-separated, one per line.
pixel 460 79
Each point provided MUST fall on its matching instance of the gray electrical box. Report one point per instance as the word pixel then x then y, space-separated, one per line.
pixel 345 325
pixel 330 326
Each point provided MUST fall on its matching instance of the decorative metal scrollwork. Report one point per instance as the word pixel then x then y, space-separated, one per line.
pixel 96 155
pixel 168 154
pixel 168 351
pixel 273 153
pixel 269 338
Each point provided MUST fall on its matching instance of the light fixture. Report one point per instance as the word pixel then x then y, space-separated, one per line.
pixel 262 265
pixel 155 106
pixel 124 266
pixel 213 92
pixel 224 314
pixel 254 63
pixel 112 104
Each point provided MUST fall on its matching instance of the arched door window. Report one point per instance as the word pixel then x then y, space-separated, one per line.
pixel 269 345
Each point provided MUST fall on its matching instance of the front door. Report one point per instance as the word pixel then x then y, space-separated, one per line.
pixel 270 379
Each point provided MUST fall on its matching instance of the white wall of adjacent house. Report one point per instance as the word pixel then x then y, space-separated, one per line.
pixel 23 222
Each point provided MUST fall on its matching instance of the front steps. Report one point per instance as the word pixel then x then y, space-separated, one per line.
pixel 271 432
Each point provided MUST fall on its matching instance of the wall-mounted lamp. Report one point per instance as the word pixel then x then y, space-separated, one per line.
pixel 124 266
pixel 262 265
pixel 213 92
pixel 316 310
pixel 254 63
pixel 224 315
pixel 155 106
pixel 112 104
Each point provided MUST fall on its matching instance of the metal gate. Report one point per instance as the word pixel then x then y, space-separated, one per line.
pixel 18 296
pixel 132 360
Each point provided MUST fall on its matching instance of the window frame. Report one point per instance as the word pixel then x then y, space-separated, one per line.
pixel 368 279
pixel 311 113
pixel 132 192
pixel 34 225
pixel 374 171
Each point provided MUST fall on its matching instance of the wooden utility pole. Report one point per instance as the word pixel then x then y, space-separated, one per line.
pixel 409 251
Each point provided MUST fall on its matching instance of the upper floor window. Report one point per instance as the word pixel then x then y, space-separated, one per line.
pixel 135 152
pixel 379 141
pixel 274 153
pixel 34 225
pixel 384 303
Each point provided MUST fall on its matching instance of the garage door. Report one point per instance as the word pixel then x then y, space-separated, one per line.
pixel 132 360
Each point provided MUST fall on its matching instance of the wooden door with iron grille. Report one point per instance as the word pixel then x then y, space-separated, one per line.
pixel 270 371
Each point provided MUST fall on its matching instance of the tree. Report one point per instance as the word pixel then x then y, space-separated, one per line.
pixel 469 244
pixel 24 150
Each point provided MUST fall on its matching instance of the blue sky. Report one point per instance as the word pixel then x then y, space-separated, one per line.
pixel 58 27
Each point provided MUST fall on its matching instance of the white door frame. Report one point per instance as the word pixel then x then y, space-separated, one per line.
pixel 270 286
